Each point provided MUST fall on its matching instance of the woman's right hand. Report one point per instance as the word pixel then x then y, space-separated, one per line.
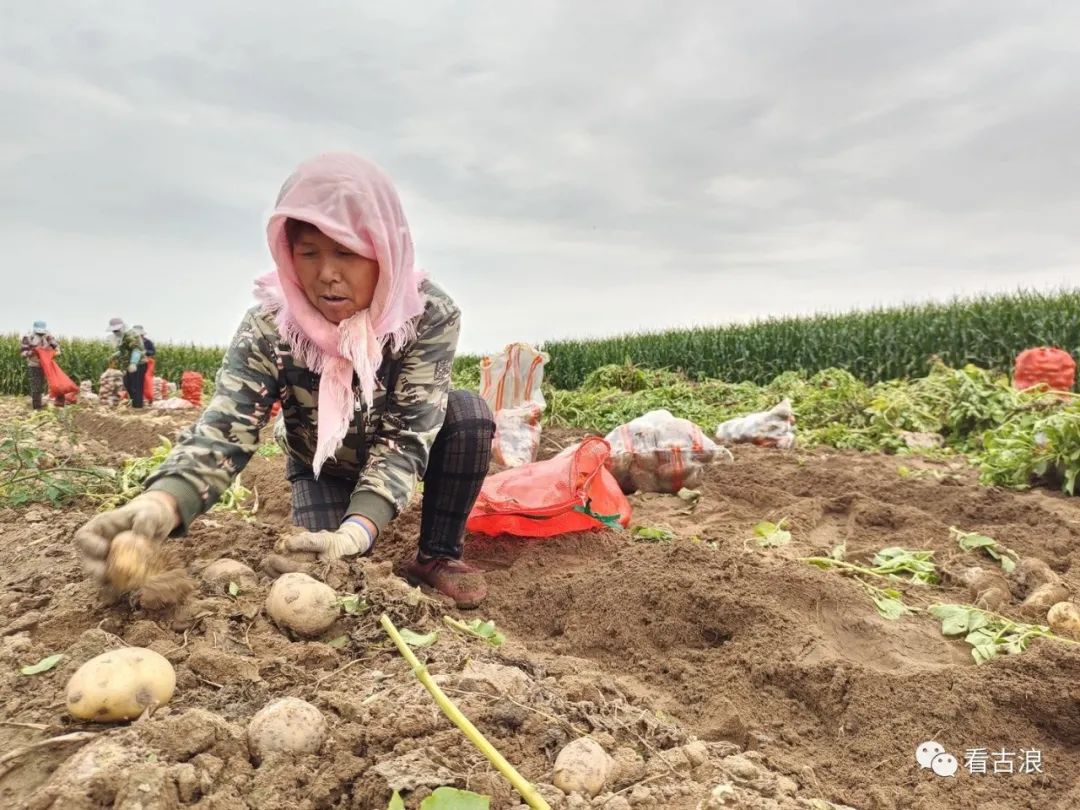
pixel 153 515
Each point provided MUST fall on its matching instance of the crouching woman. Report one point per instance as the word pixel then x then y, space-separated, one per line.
pixel 358 345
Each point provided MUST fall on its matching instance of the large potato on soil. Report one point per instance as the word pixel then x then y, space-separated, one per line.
pixel 583 767
pixel 120 685
pixel 288 725
pixel 1064 619
pixel 302 604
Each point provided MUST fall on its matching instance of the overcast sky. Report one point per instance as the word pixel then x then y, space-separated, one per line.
pixel 568 168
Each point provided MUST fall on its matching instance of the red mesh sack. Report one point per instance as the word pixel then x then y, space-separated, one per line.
pixel 149 394
pixel 60 384
pixel 191 385
pixel 1051 367
pixel 568 493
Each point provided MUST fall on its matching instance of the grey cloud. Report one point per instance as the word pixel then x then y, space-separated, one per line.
pixel 623 163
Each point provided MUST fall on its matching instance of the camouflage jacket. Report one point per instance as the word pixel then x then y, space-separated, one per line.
pixel 386 449
pixel 32 341
pixel 129 342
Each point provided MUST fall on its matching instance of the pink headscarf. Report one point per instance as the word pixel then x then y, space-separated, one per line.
pixel 354 203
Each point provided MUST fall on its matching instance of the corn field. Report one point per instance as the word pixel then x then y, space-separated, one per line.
pixel 874 345
pixel 85 360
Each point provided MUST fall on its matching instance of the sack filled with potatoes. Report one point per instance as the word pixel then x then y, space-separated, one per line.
pixel 659 452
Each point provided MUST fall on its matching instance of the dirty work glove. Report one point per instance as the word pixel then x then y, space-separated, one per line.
pixel 153 515
pixel 132 368
pixel 351 538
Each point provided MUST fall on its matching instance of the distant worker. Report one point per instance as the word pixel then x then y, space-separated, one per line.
pixel 38 338
pixel 129 356
pixel 150 351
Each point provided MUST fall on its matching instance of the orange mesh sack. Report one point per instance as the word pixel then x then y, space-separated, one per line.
pixel 1045 366
pixel 659 452
pixel 60 384
pixel 191 385
pixel 571 492
pixel 510 384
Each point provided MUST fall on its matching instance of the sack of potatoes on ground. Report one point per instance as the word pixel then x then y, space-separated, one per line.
pixel 659 452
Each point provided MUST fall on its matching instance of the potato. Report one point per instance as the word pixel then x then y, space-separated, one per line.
pixel 120 685
pixel 288 725
pixel 224 571
pixel 1042 599
pixel 583 767
pixel 128 564
pixel 1031 572
pixel 967 575
pixel 302 604
pixel 988 589
pixel 1064 619
pixel 993 598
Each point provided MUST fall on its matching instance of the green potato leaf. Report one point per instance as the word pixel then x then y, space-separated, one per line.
pixel 44 665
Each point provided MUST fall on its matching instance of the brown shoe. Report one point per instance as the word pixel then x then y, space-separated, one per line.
pixel 453 578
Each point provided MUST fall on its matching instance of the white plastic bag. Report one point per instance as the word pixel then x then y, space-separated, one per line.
pixel 510 384
pixel 517 435
pixel 659 452
pixel 86 392
pixel 172 404
pixel 513 377
pixel 771 428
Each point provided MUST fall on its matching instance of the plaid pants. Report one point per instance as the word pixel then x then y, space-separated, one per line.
pixel 456 468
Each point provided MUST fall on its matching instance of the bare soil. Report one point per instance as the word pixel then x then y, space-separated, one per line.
pixel 717 672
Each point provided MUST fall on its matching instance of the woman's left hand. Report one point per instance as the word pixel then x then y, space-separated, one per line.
pixel 350 539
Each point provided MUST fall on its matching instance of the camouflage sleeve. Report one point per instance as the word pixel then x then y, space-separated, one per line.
pixel 26 350
pixel 210 454
pixel 414 415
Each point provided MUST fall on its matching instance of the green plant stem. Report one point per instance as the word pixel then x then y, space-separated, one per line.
pixel 524 788
pixel 43 473
pixel 464 628
pixel 847 566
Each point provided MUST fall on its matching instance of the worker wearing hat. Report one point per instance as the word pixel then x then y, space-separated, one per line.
pixel 149 350
pixel 131 357
pixel 38 338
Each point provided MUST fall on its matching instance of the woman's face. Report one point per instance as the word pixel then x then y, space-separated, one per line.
pixel 336 281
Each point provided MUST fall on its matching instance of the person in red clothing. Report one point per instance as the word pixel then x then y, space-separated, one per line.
pixel 38 338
